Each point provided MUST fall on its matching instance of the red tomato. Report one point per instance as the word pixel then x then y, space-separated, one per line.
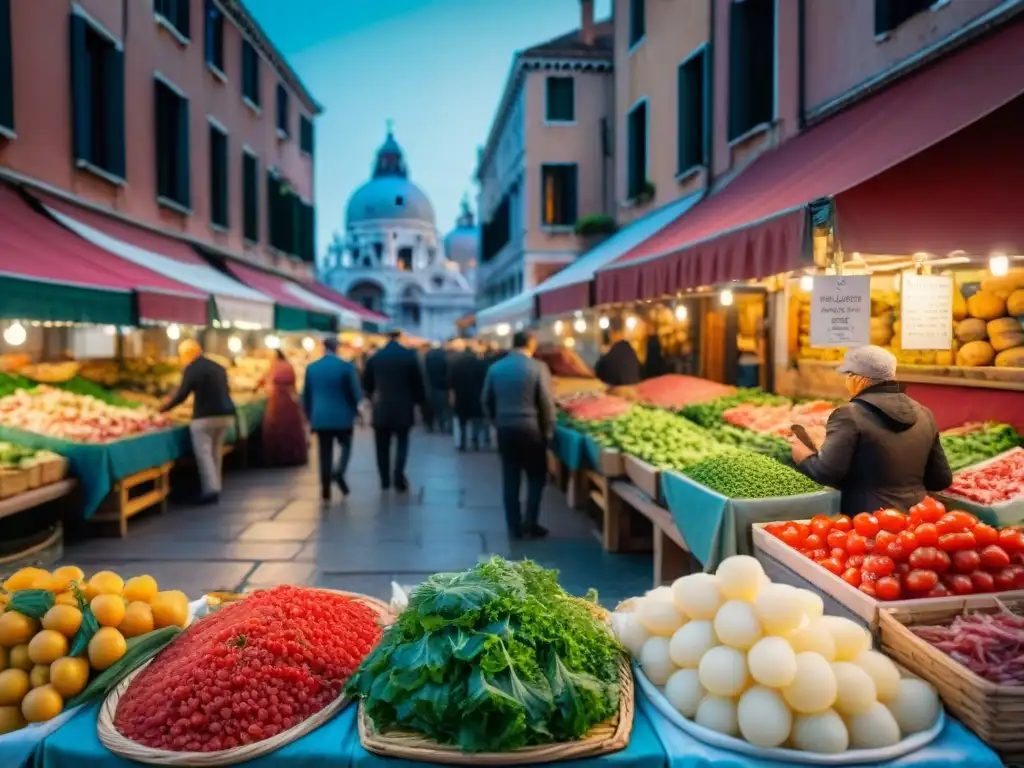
pixel 897 551
pixel 892 520
pixel 819 554
pixel 831 565
pixel 967 561
pixel 1018 578
pixel 949 523
pixel 926 534
pixel 902 569
pixel 821 525
pixel 928 511
pixel 868 576
pixel 855 561
pixel 856 544
pixel 967 520
pixel 1004 579
pixel 958 584
pixel 814 541
pixel 924 557
pixel 842 523
pixel 868 588
pixel 942 563
pixel 836 539
pixel 791 535
pixel 985 534
pixel 888 588
pixel 776 529
pixel 909 540
pixel 955 542
pixel 838 553
pixel 983 582
pixel 865 524
pixel 1011 540
pixel 920 580
pixel 882 542
pixel 879 565
pixel 994 556
pixel 852 576
pixel 939 591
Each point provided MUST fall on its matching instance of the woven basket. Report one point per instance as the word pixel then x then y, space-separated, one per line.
pixel 12 482
pixel 35 474
pixel 603 739
pixel 994 712
pixel 53 468
pixel 112 739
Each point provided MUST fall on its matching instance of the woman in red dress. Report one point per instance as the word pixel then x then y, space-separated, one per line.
pixel 284 427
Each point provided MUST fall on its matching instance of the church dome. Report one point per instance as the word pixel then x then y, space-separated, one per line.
pixel 389 194
pixel 462 245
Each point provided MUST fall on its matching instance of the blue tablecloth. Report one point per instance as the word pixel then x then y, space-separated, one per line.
pixel 568 447
pixel 591 452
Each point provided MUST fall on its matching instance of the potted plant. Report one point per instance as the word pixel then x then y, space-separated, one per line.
pixel 645 193
pixel 594 229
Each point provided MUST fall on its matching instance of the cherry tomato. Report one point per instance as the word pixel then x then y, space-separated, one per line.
pixel 949 523
pixel 868 576
pixel 855 561
pixel 1017 558
pixel 814 541
pixel 791 535
pixel 775 529
pixel 926 534
pixel 985 534
pixel 927 511
pixel 879 565
pixel 1018 578
pixel 994 556
pixel 866 524
pixel 955 542
pixel 882 542
pixel 897 551
pixel 967 520
pixel 958 584
pixel 909 540
pixel 821 525
pixel 902 569
pixel 888 588
pixel 856 544
pixel 836 539
pixel 831 565
pixel 983 582
pixel 852 576
pixel 808 553
pixel 891 520
pixel 842 523
pixel 924 557
pixel 920 580
pixel 838 553
pixel 1004 579
pixel 967 561
pixel 1011 540
pixel 819 554
pixel 868 588
pixel 939 591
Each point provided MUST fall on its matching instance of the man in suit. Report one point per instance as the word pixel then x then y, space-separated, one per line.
pixel 466 380
pixel 517 399
pixel 436 368
pixel 394 383
pixel 330 398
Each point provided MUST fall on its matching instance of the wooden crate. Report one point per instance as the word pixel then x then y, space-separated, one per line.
pixel 644 476
pixel 13 482
pixel 994 712
pixel 612 463
pixel 135 493
pixel 672 557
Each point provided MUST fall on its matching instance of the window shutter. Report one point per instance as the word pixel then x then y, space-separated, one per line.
pixel 81 92
pixel 114 138
pixel 632 158
pixel 739 94
pixel 6 67
pixel 571 185
pixel 209 30
pixel 184 18
pixel 273 193
pixel 184 157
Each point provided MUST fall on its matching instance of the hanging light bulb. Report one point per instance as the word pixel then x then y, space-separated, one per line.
pixel 15 334
pixel 604 322
pixel 580 325
pixel 357 342
pixel 309 343
pixel 503 329
pixel 631 322
pixel 806 283
pixel 173 332
pixel 109 330
pixel 272 341
pixel 999 265
pixel 570 342
pixel 681 312
pixel 234 345
pixel 725 297
pixel 559 327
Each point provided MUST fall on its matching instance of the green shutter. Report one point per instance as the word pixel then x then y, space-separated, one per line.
pixel 37 300
pixel 81 91
pixel 113 63
pixel 571 204
pixel 6 67
pixel 183 156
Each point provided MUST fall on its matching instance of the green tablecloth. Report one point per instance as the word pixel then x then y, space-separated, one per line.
pixel 568 446
pixel 249 418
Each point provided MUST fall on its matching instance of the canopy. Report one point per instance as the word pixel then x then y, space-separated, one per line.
pixel 518 309
pixel 235 302
pixel 291 311
pixel 367 316
pixel 346 317
pixel 83 283
pixel 757 224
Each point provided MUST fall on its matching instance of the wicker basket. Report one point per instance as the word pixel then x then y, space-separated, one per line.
pixel 112 739
pixel 12 482
pixel 994 712
pixel 54 468
pixel 35 474
pixel 603 739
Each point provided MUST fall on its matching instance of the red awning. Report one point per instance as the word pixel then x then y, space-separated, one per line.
pixel 35 247
pixel 756 225
pixel 343 301
pixel 274 286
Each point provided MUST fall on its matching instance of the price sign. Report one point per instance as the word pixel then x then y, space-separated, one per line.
pixel 926 312
pixel 841 311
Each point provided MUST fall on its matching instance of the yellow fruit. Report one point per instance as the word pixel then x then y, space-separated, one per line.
pixel 139 588
pixel 39 676
pixel 68 675
pixel 47 646
pixel 16 628
pixel 106 583
pixel 14 684
pixel 20 659
pixel 63 578
pixel 106 647
pixel 11 719
pixel 88 591
pixel 64 619
pixel 170 609
pixel 26 578
pixel 108 609
pixel 4 658
pixel 66 598
pixel 138 619
pixel 41 704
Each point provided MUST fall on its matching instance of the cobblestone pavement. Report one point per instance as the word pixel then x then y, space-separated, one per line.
pixel 271 528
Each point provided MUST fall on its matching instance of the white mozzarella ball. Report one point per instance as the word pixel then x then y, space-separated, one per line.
pixel 740 577
pixel 915 706
pixel 851 638
pixel 772 662
pixel 814 685
pixel 719 714
pixel 631 633
pixel 684 692
pixel 737 626
pixel 698 595
pixel 659 616
pixel 823 732
pixel 723 671
pixel 655 662
pixel 815 638
pixel 660 593
pixel 690 642
pixel 763 717
pixel 855 690
pixel 779 609
pixel 883 672
pixel 811 602
pixel 874 728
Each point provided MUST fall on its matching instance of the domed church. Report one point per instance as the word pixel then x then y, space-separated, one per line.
pixel 389 259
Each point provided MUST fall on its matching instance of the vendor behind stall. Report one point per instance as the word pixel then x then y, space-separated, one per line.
pixel 619 366
pixel 882 448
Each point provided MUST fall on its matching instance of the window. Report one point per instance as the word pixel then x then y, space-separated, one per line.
pixel 405 259
pixel 218 177
pixel 691 103
pixel 250 73
pixel 175 13
pixel 97 99
pixel 307 232
pixel 214 35
pixel 636 151
pixel 306 138
pixel 637 21
pixel 558 195
pixel 282 111
pixel 172 151
pixel 751 65
pixel 6 69
pixel 283 214
pixel 889 14
pixel 496 233
pixel 250 197
pixel 561 100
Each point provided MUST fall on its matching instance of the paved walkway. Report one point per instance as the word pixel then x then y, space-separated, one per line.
pixel 271 528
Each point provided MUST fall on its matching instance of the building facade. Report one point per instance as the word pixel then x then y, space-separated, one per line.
pixel 547 162
pixel 178 116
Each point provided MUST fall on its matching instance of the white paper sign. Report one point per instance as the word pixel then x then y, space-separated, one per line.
pixel 926 312
pixel 841 311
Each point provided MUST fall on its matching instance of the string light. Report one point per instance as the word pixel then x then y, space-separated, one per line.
pixel 999 265
pixel 580 325
pixel 110 330
pixel 503 329
pixel 630 323
pixel 570 342
pixel 559 327
pixel 806 283
pixel 309 344
pixel 725 297
pixel 357 342
pixel 603 323
pixel 234 345
pixel 272 341
pixel 681 313
pixel 173 332
pixel 15 334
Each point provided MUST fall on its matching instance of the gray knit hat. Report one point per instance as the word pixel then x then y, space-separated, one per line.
pixel 871 362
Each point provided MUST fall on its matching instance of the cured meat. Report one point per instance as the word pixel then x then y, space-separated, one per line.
pixel 674 391
pixel 596 407
pixel 989 644
pixel 778 419
pixel 563 362
pixel 999 481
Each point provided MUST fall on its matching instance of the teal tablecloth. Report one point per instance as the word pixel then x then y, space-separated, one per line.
pixel 591 452
pixel 249 418
pixel 568 446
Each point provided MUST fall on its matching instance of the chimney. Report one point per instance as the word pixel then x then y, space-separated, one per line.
pixel 587 22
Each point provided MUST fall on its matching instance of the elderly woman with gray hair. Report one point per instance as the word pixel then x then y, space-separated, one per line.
pixel 882 448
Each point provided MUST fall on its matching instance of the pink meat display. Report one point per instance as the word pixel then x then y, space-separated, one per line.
pixel 595 407
pixel 999 481
pixel 674 391
pixel 989 644
pixel 777 419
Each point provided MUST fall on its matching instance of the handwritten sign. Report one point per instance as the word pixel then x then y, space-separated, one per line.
pixel 926 312
pixel 841 311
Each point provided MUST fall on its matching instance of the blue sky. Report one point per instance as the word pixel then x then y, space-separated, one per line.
pixel 434 67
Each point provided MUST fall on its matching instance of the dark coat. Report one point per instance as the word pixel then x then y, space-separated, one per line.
pixel 394 383
pixel 881 450
pixel 331 394
pixel 207 382
pixel 619 366
pixel 466 375
pixel 435 363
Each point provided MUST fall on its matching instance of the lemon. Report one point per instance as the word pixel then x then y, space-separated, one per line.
pixel 138 619
pixel 107 646
pixel 67 598
pixel 11 719
pixel 64 577
pixel 26 578
pixel 41 704
pixel 39 676
pixel 64 619
pixel 170 609
pixel 16 628
pixel 20 659
pixel 139 588
pixel 14 684
pixel 47 646
pixel 69 674
pixel 106 583
pixel 108 609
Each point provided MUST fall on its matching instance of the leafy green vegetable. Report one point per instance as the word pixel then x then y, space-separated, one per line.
pixel 492 659
pixel 964 449
pixel 709 414
pixel 743 475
